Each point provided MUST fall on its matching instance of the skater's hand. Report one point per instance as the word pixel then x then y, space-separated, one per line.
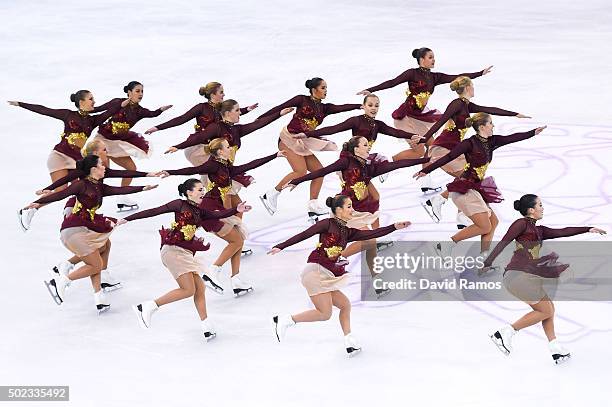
pixel 598 230
pixel 298 136
pixel 161 174
pixel 154 174
pixel 33 205
pixel 274 250
pixel 288 185
pixel 43 192
pixel 252 107
pixel 522 116
pixel 286 110
pixel 125 102
pixel 151 130
pixel 364 92
pixel 149 187
pixel 120 222
pixel 402 225
pixel 13 103
pixel 243 207
pixel 419 175
pixel 163 109
pixel 487 70
pixel 539 130
pixel 488 269
pixel 281 153
pixel 171 150
pixel 414 140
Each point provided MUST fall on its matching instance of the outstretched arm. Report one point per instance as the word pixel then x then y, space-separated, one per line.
pixel 112 109
pixel 384 128
pixel 258 123
pixel 225 213
pixel 498 141
pixel 107 105
pixel 474 108
pixel 338 165
pixel 173 206
pixel 206 168
pixel 108 190
pixel 59 114
pixel 459 149
pixel 401 78
pixel 315 229
pixel 514 231
pixel 73 189
pixel 293 102
pixel 72 175
pixel 184 118
pixel 440 78
pixel 453 108
pixel 332 109
pixel 337 128
pixel 239 169
pixel 550 233
pixel 356 234
pixel 200 137
pixel 384 167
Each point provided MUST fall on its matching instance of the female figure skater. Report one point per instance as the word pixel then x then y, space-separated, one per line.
pixel 205 114
pixel 300 152
pixel 78 126
pixel 323 275
pixel 178 248
pixel 221 172
pixel 527 271
pixel 121 143
pixel 357 171
pixel 94 147
pixel 454 116
pixel 413 116
pixel 85 232
pixel 471 191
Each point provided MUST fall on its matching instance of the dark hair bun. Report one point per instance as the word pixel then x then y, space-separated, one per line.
pixel 415 53
pixel 517 205
pixel 73 97
pixel 308 83
pixel 329 201
pixel 188 185
pixel 125 89
pixel 182 189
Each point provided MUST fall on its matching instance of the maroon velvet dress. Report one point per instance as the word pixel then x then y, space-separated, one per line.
pixel 205 114
pixel 356 175
pixel 220 175
pixel 78 126
pixel 421 84
pixel 83 231
pixel 478 153
pixel 334 236
pixel 309 114
pixel 116 134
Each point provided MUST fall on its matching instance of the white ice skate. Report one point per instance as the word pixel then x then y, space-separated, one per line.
pixel 102 305
pixel 144 311
pixel 65 267
pixel 209 330
pixel 383 177
pixel 240 287
pixel 427 186
pixel 211 279
pixel 25 217
pixel 377 282
pixel 558 352
pixel 351 345
pixel 109 283
pixel 125 204
pixel 246 252
pixel 281 323
pixel 503 339
pixel 380 246
pixel 433 207
pixel 57 287
pixel 270 200
pixel 463 220
pixel 315 211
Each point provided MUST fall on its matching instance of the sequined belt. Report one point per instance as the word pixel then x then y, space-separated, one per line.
pixel 480 171
pixel 331 252
pixel 75 139
pixel 222 190
pixel 310 123
pixel 119 127
pixel 450 126
pixel 420 98
pixel 359 188
pixel 188 231
pixel 78 207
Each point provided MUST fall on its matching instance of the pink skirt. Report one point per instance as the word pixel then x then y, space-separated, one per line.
pixel 453 167
pixel 470 203
pixel 361 220
pixel 307 145
pixel 82 241
pixel 180 261
pixel 525 286
pixel 58 161
pixel 231 223
pixel 318 280
pixel 133 145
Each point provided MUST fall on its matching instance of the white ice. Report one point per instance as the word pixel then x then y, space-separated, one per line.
pixel 551 61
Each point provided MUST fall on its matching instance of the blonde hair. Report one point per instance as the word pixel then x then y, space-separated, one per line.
pixel 92 146
pixel 208 89
pixel 214 146
pixel 477 120
pixel 460 83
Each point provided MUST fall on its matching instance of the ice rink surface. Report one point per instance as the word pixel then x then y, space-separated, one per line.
pixel 551 61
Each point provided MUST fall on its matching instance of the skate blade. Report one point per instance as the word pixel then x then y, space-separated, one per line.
pixel 20 219
pixel 126 208
pixel 382 294
pixel 352 352
pixel 430 212
pixel 461 227
pixel 499 345
pixel 107 288
pixel 215 288
pixel 429 190
pixel 141 322
pixel 102 308
pixel 275 326
pixel 383 246
pixel 246 253
pixel 53 292
pixel 560 359
pixel 239 292
pixel 209 336
pixel 263 202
